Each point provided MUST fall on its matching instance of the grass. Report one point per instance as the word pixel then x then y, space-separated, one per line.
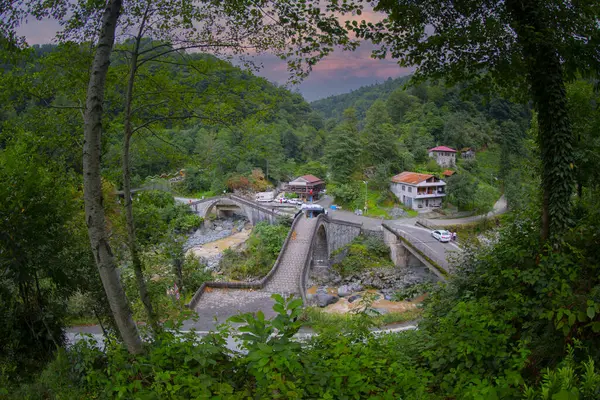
pixel 318 319
pixel 375 207
pixel 206 194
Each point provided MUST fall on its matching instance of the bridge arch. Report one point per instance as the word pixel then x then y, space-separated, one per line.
pixel 254 212
pixel 225 201
pixel 320 253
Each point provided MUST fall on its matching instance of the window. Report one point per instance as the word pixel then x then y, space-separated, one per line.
pixel 403 187
pixel 409 189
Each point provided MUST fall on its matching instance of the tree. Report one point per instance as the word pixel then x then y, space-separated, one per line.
pixel 399 102
pixel 379 141
pixel 517 43
pixel 44 257
pixel 461 189
pixel 343 149
pixel 303 43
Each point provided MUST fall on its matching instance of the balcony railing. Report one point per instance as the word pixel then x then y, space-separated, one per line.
pixel 427 195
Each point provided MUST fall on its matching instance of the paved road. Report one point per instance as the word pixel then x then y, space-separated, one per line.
pixel 500 207
pixel 419 235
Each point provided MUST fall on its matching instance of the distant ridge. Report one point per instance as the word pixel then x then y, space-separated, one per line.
pixel 361 99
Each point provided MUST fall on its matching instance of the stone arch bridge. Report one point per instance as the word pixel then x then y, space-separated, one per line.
pixel 226 204
pixel 309 244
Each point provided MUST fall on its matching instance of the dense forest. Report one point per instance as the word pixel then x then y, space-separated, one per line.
pixel 517 318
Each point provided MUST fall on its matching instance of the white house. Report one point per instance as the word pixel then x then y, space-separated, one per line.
pixel 418 190
pixel 444 156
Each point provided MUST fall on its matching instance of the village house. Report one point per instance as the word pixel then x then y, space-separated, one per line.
pixel 418 190
pixel 448 173
pixel 307 187
pixel 444 156
pixel 467 153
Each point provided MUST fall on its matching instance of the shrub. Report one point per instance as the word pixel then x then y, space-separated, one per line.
pixel 262 248
pixel 345 193
pixel 361 254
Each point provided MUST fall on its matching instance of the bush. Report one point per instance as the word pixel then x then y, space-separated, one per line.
pixel 361 254
pixel 262 248
pixel 345 194
pixel 196 180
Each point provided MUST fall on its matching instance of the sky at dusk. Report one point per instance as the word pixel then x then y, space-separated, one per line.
pixel 340 72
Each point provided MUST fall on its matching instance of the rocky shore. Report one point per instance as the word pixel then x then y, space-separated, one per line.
pixel 209 242
pixel 330 286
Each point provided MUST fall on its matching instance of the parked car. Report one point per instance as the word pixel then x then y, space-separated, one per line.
pixel 442 235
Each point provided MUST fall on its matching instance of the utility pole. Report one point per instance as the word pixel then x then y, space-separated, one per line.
pixel 366 194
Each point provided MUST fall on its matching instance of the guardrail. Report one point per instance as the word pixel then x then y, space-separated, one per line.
pixel 441 265
pixel 242 200
pixel 246 285
pixel 423 222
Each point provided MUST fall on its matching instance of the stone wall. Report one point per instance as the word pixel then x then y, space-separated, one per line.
pixel 340 233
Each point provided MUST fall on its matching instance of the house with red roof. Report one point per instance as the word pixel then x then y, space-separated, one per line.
pixel 307 187
pixel 418 191
pixel 444 156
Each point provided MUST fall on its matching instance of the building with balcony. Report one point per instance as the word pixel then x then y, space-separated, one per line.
pixel 418 191
pixel 307 187
pixel 444 156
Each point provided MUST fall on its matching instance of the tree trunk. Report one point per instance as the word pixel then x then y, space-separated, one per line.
pixel 545 75
pixel 131 239
pixel 92 182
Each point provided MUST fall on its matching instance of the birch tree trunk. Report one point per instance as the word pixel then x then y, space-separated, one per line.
pixel 92 183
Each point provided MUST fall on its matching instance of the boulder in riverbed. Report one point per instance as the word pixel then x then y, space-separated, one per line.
pixel 325 299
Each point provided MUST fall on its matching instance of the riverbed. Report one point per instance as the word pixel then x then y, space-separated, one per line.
pixel 217 247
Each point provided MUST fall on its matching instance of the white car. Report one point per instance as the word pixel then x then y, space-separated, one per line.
pixel 442 235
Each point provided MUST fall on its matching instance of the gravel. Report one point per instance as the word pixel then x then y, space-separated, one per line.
pixel 214 230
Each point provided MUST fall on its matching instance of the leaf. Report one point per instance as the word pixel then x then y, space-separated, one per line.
pixel 295 304
pixel 591 312
pixel 278 298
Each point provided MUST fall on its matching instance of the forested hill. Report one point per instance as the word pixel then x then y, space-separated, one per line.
pixel 360 99
pixel 192 111
pixel 430 114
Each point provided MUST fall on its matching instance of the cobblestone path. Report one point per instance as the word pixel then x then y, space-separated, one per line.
pixel 222 303
pixel 287 277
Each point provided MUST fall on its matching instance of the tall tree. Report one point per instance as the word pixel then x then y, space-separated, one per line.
pixel 343 148
pixel 534 44
pixel 378 137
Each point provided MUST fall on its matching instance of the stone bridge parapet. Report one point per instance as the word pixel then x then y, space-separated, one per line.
pixel 403 246
pixel 255 212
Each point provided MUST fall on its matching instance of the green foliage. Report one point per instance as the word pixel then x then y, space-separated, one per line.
pixel 362 253
pixel 44 258
pixel 342 152
pixel 322 321
pixel 345 194
pixel 570 380
pixel 156 214
pixel 257 259
pixel 461 189
pixel 413 291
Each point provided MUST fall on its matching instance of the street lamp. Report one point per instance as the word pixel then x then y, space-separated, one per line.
pixel 366 194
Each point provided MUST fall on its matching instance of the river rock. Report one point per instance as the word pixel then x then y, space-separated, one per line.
pixel 344 290
pixel 325 299
pixel 352 299
pixel 347 290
